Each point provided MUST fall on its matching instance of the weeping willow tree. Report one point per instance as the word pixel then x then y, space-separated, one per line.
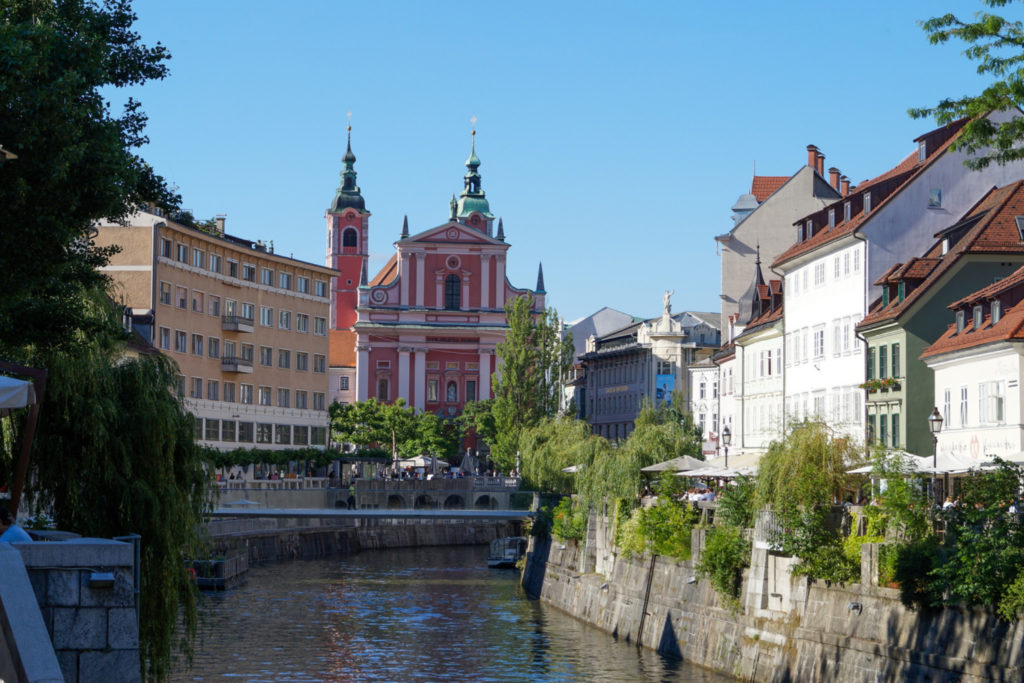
pixel 554 445
pixel 114 455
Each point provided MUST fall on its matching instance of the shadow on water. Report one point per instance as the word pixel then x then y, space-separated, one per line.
pixel 426 614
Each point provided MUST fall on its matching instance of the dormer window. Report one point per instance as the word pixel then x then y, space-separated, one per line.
pixel 922 150
pixel 945 246
pixel 996 311
pixel 935 198
pixel 846 211
pixel 885 295
pixel 901 290
pixel 809 229
pixel 867 203
pixel 1020 227
pixel 831 218
pixel 977 317
pixel 799 233
pixel 960 320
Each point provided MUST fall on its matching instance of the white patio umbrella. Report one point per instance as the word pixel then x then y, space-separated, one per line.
pixel 16 393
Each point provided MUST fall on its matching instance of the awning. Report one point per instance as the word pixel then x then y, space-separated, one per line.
pixel 680 464
pixel 16 393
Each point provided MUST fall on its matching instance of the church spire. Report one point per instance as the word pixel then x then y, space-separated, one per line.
pixel 540 279
pixel 472 197
pixel 750 302
pixel 501 230
pixel 405 226
pixel 348 193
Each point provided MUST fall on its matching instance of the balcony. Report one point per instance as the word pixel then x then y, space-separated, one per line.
pixel 235 364
pixel 236 323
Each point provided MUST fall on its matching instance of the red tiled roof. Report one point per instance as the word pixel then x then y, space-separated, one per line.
pixel 723 354
pixel 882 187
pixel 987 292
pixel 763 186
pixel 995 231
pixel 342 348
pixel 1009 328
pixel 387 274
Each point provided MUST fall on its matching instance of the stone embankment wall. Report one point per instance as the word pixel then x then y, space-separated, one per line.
pixel 266 542
pixel 788 629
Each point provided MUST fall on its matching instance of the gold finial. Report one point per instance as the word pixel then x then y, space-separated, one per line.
pixel 472 120
pixel 349 120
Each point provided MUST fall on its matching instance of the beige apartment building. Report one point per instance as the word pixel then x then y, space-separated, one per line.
pixel 248 328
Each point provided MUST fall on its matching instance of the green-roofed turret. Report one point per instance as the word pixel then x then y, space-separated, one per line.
pixel 348 194
pixel 472 197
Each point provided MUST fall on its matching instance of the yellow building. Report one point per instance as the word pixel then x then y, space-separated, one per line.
pixel 247 328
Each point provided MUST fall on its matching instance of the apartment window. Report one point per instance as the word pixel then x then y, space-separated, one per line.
pixel 181 297
pixel 282 434
pixel 264 433
pixel 183 253
pixel 895 431
pixel 165 247
pixel 212 390
pixel 946 402
pixel 901 290
pixel 301 400
pixel 320 327
pixel 165 338
pixel 431 390
pixel 284 398
pixel 245 432
pixel 837 337
pixel 856 261
pixel 180 341
pixel 319 401
pixel 835 268
pixel 263 395
pixel 229 392
pixel 831 218
pixel 198 305
pixel 266 277
pixel 896 360
pixel 343 384
pixel 963 406
pixel 266 316
pixel 215 263
pixel 321 288
pixel 883 430
pixel 284 280
pixel 284 320
pixel 319 362
pixel 284 359
pixel 871 429
pixel 714 389
pixel 227 430
pixel 990 402
pixel 871 363
pixel 935 198
pixel 165 293
pixel 846 211
pixel 302 360
pixel 232 268
pixel 300 435
pixel 266 356
pixel 883 364
pixel 229 348
pixel 197 344
pixel 248 352
pixel 247 311
pixel 819 274
pixel 846 263
pixel 960 320
pixel 867 203
pixel 703 389
pixel 248 272
pixel 302 285
pixel 301 323
pixel 197 388
pixel 318 436
pixel 198 258
pixel 212 429
pixel 996 311
pixel 819 342
pixel 215 305
pixel 977 317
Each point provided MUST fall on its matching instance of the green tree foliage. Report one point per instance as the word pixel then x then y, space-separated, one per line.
pixel 553 445
pixel 75 161
pixel 534 361
pixel 479 417
pixel 726 554
pixel 997 45
pixel 902 513
pixel 568 521
pixel 736 504
pixel 396 427
pixel 664 529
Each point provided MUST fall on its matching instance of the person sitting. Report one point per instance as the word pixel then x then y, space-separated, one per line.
pixel 9 531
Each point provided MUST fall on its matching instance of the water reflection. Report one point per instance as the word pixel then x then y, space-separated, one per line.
pixel 428 614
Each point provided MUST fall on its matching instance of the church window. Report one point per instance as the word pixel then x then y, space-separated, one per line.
pixel 382 389
pixel 452 392
pixel 432 390
pixel 348 238
pixel 452 292
pixel 470 389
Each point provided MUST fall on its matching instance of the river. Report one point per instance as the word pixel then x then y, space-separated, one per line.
pixel 424 614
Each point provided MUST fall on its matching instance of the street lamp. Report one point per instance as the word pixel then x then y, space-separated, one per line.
pixel 726 440
pixel 935 425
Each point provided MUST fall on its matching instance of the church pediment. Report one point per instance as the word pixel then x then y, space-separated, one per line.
pixel 452 232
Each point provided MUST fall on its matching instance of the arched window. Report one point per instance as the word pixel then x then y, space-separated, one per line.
pixel 452 392
pixel 382 389
pixel 452 292
pixel 348 238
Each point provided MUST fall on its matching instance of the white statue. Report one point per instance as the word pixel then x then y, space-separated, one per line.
pixel 667 298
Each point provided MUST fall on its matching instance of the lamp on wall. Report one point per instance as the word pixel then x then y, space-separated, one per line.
pixel 935 425
pixel 726 440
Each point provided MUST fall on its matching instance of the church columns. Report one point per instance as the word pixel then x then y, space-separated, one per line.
pixel 499 284
pixel 485 281
pixel 420 385
pixel 419 280
pixel 363 372
pixel 403 373
pixel 464 299
pixel 403 276
pixel 439 302
pixel 485 375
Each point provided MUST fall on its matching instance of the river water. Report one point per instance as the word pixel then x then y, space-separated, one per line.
pixel 425 614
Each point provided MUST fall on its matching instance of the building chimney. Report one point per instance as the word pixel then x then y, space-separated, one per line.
pixel 821 164
pixel 219 222
pixel 812 156
pixel 844 188
pixel 833 178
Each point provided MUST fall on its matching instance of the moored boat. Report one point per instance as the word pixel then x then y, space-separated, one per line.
pixel 505 552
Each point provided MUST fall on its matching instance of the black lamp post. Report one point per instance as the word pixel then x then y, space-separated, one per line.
pixel 726 440
pixel 935 425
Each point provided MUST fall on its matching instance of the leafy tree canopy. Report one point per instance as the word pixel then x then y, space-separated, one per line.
pixel 997 44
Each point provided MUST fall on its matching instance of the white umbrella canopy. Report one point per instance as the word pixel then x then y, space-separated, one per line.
pixel 572 469
pixel 16 393
pixel 680 464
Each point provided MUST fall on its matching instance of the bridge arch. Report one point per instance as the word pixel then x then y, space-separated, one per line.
pixel 485 502
pixel 454 502
pixel 424 502
pixel 396 502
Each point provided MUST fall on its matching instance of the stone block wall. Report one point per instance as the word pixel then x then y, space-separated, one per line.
pixel 93 628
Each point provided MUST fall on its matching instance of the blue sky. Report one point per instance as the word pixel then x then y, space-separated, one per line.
pixel 614 137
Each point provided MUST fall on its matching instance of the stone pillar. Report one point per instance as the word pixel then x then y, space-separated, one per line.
pixel 464 299
pixel 363 372
pixel 499 282
pixel 439 301
pixel 403 276
pixel 485 281
pixel 403 373
pixel 420 284
pixel 484 392
pixel 420 374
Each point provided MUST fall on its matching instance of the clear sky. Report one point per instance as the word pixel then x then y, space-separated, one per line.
pixel 614 137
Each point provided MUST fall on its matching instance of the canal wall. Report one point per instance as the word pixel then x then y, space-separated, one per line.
pixel 789 629
pixel 272 540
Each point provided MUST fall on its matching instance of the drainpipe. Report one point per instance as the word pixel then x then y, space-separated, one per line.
pixel 858 236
